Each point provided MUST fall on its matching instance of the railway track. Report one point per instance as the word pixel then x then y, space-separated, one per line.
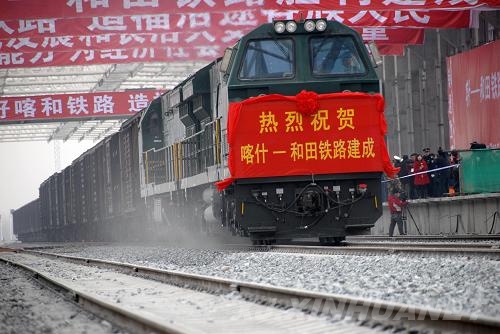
pixel 372 248
pixel 430 244
pixel 426 238
pixel 225 309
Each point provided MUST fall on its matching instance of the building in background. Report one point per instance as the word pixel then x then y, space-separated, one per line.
pixel 415 85
pixel 6 235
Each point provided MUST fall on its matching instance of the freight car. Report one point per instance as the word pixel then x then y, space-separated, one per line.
pixel 281 138
pixel 95 198
pixel 27 222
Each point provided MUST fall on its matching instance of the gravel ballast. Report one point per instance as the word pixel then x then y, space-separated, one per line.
pixel 28 307
pixel 458 284
pixel 186 310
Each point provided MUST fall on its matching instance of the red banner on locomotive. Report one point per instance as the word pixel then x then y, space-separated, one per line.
pixel 307 134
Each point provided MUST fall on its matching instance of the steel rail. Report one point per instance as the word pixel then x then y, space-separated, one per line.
pixel 106 310
pixel 380 249
pixel 425 238
pixel 314 302
pixel 423 244
pixel 367 248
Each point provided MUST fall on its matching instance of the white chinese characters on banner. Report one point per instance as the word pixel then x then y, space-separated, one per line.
pixel 4 108
pixel 36 9
pixel 215 22
pixel 137 102
pixel 74 105
pixel 25 107
pixel 51 106
pixel 489 86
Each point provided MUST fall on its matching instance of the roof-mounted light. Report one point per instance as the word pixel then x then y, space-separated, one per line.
pixel 279 27
pixel 321 25
pixel 309 25
pixel 291 26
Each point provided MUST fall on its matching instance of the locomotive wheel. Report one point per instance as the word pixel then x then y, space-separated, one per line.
pixel 257 242
pixel 325 241
pixel 331 241
pixel 339 241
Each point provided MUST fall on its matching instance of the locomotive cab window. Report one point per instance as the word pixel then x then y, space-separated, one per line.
pixel 335 55
pixel 268 59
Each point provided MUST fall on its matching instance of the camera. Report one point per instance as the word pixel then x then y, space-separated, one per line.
pixel 403 197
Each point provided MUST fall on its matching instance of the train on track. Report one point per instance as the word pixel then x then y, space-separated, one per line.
pixel 281 138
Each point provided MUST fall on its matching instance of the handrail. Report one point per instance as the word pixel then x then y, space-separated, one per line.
pixel 201 131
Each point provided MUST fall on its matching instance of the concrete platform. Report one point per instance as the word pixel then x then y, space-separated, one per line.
pixel 470 214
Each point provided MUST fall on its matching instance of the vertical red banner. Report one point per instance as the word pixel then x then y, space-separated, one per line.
pixel 474 96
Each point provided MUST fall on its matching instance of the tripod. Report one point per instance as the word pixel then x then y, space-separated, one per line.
pixel 405 218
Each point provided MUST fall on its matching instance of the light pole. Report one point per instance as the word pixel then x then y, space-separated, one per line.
pixel 1 228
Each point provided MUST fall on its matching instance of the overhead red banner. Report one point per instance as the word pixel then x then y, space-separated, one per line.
pixel 383 35
pixel 32 9
pixel 391 49
pixel 74 106
pixel 390 18
pixel 218 24
pixel 109 56
pixel 125 48
pixel 474 96
pixel 278 135
pixel 176 39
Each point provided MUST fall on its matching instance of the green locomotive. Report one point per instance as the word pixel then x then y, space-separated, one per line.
pixel 191 139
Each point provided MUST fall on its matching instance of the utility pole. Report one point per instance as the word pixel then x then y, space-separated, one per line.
pixel 440 90
pixel 396 98
pixel 409 89
pixel 1 228
pixel 57 155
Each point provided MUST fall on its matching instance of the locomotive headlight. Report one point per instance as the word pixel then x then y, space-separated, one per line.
pixel 279 27
pixel 309 26
pixel 321 25
pixel 291 26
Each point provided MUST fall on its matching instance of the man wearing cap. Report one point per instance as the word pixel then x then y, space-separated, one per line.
pixel 427 156
pixel 406 165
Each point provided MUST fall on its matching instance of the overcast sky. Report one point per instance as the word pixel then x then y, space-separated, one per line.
pixel 25 165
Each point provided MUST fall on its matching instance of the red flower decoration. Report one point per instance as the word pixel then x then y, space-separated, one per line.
pixel 307 103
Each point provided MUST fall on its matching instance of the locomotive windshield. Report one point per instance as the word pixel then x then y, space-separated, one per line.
pixel 335 55
pixel 268 59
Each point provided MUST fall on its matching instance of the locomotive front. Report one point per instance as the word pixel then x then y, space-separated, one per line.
pixel 305 133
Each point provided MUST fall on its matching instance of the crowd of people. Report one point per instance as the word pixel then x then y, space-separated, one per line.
pixel 428 174
pixel 421 176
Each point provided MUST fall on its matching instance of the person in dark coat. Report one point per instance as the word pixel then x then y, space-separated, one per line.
pixel 426 155
pixel 454 180
pixel 421 180
pixel 442 175
pixel 433 175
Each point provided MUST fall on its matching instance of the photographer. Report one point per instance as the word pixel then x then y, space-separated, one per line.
pixel 397 201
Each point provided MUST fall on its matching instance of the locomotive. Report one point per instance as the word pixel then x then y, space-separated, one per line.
pixel 281 138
